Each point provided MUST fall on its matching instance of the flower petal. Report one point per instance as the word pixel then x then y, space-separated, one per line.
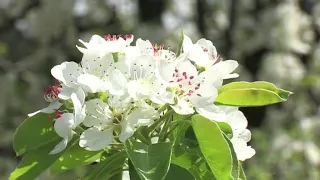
pixel 67 73
pixel 118 83
pixel 60 146
pixel 50 109
pixel 91 83
pixel 94 139
pixel 183 107
pixel 63 125
pixel 212 112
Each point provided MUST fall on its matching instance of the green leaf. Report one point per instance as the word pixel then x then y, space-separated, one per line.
pixel 35 132
pixel 213 146
pixel 150 161
pixel 35 162
pixel 179 50
pixel 107 167
pixel 244 94
pixel 74 157
pixel 175 172
pixel 225 127
pixel 132 171
pixel 242 174
pixel 235 161
pixel 191 159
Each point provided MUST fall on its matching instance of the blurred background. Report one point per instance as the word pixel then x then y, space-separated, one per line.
pixel 273 40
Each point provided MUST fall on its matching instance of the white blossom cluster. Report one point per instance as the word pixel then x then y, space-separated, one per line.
pixel 119 87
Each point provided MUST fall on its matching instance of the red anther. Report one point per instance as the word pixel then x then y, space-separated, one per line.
pixel 51 92
pixel 198 95
pixel 189 83
pixel 176 70
pixel 173 74
pixel 128 36
pixel 179 80
pixel 177 75
pixel 189 94
pixel 58 113
pixel 171 81
pixel 190 91
pixel 191 77
pixel 180 85
pixel 196 88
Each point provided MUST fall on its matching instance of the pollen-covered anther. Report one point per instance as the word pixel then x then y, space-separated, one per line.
pixel 51 92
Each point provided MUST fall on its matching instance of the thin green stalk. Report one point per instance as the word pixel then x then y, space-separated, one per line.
pixel 143 139
pixel 159 121
pixel 164 129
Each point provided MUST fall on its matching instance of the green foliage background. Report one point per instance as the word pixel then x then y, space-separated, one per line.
pixel 273 40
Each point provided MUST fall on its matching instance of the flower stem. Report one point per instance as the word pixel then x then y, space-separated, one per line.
pixel 143 139
pixel 164 129
pixel 159 121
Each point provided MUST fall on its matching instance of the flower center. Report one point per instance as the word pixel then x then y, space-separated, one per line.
pixel 186 86
pixel 51 92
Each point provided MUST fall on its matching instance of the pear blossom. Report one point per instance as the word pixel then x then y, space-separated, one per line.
pixel 241 135
pixel 64 124
pixel 190 89
pixel 204 54
pixel 108 44
pixel 102 121
pixel 51 95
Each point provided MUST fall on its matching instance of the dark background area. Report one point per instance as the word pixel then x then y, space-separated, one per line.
pixel 273 40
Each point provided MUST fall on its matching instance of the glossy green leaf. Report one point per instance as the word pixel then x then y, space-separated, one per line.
pixel 35 162
pixel 176 172
pixel 242 175
pixel 179 50
pixel 244 94
pixel 225 128
pixel 191 159
pixel 150 161
pixel 107 167
pixel 76 156
pixel 35 132
pixel 235 161
pixel 213 146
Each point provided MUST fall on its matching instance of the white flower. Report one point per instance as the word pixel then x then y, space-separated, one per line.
pixel 66 123
pixel 191 90
pixel 67 73
pixel 102 121
pixel 51 95
pixel 241 135
pixel 143 115
pixel 204 54
pixel 108 44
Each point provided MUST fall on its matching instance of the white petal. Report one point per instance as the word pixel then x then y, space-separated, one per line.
pixel 91 83
pixel 60 146
pixel 97 113
pixel 118 83
pixel 65 92
pixel 187 44
pixel 225 68
pixel 237 120
pixel 183 107
pixel 212 112
pixel 244 134
pixel 63 125
pixel 137 90
pixel 94 139
pixel 143 116
pixel 242 150
pixel 67 73
pixel 50 109
pixel 200 57
pixel 77 107
pixel 144 46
